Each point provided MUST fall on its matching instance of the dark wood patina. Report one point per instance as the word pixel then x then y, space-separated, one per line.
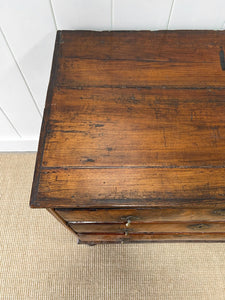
pixel 132 144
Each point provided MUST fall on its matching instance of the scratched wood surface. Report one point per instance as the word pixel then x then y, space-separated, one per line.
pixel 165 46
pixel 136 127
pixel 140 187
pixel 134 119
pixel 178 59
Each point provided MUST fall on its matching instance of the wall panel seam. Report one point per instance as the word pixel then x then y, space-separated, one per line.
pixel 223 26
pixel 112 14
pixel 10 122
pixel 170 14
pixel 53 14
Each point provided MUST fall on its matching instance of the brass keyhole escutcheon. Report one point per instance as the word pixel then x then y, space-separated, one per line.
pixel 199 226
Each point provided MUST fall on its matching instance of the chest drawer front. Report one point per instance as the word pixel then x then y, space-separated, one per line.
pixel 148 227
pixel 133 238
pixel 142 215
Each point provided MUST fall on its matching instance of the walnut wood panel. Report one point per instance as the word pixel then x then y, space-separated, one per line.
pixel 179 45
pixel 179 237
pixel 165 58
pixel 114 127
pixel 142 215
pixel 76 72
pixel 135 187
pixel 148 227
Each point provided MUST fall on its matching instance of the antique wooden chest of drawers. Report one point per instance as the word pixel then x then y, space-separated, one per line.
pixel 132 144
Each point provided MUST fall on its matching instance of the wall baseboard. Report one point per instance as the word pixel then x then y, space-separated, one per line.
pixel 21 145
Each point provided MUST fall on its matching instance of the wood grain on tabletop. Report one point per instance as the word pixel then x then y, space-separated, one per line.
pixel 134 119
pixel 134 187
pixel 136 127
pixel 177 58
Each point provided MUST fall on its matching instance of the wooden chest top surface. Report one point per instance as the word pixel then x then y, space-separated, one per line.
pixel 134 119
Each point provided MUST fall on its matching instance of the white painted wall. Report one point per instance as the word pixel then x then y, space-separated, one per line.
pixel 27 34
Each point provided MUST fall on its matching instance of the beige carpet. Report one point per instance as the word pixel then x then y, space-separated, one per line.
pixel 41 259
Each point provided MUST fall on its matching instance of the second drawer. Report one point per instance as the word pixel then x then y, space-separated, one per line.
pixel 147 227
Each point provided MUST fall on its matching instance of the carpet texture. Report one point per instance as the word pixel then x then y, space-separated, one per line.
pixel 40 259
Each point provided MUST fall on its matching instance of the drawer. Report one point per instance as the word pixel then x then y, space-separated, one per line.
pixel 121 238
pixel 141 215
pixel 147 227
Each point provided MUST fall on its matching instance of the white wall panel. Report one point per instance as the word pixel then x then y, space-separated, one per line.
pixel 141 14
pixel 15 99
pixel 17 145
pixel 30 31
pixel 197 14
pixel 6 129
pixel 83 14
